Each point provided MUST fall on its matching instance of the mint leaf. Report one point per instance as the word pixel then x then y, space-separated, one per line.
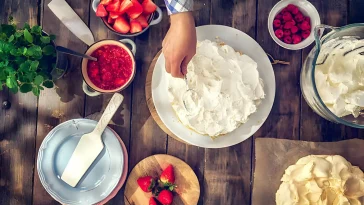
pixel 26 26
pixel 34 65
pixel 48 50
pixel 36 30
pixel 14 89
pixel 19 34
pixel 11 82
pixel 38 80
pixel 34 51
pixel 28 36
pixel 11 38
pixel 24 67
pixel 45 39
pixel 26 87
pixel 36 91
pixel 48 84
pixel 8 30
pixel 52 37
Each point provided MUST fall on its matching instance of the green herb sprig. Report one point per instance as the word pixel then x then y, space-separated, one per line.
pixel 27 57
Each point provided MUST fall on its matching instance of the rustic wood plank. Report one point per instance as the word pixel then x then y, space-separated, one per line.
pixel 355 11
pixel 228 170
pixel 67 100
pixel 18 124
pixel 314 127
pixel 95 106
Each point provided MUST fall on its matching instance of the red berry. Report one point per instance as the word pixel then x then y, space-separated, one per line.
pixel 306 18
pixel 299 18
pixel 287 39
pixel 290 7
pixel 295 11
pixel 289 24
pixel 294 29
pixel 305 26
pixel 287 16
pixel 165 197
pixel 167 177
pixel 152 201
pixel 286 32
pixel 306 34
pixel 296 39
pixel 276 23
pixel 146 183
pixel 279 16
pixel 279 33
pixel 281 27
pixel 284 10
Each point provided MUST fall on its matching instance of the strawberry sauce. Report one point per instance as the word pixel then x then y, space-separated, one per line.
pixel 113 68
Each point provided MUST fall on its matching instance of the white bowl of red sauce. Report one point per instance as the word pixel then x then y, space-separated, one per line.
pixel 114 69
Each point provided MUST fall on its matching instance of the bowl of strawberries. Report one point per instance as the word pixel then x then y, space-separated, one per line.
pixel 128 17
pixel 291 23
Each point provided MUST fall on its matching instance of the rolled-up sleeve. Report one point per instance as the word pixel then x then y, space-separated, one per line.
pixel 177 6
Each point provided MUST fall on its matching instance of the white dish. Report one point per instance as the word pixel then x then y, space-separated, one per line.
pixel 240 42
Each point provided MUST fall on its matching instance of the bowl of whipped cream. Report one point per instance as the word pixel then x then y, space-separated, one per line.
pixel 234 88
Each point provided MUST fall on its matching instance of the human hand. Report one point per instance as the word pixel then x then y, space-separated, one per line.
pixel 179 45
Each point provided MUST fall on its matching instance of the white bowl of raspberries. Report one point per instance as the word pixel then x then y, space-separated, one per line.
pixel 291 23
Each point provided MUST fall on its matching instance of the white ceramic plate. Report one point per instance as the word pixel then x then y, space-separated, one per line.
pixel 240 42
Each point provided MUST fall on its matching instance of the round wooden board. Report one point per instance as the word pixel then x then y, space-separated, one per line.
pixel 150 103
pixel 188 187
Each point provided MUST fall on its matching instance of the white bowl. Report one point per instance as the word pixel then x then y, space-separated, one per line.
pixel 307 9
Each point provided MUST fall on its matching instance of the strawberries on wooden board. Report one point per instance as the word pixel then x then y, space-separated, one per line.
pixel 146 183
pixel 135 26
pixel 113 6
pixel 152 201
pixel 143 21
pixel 101 11
pixel 121 25
pixel 165 197
pixel 148 7
pixel 167 176
pixel 135 11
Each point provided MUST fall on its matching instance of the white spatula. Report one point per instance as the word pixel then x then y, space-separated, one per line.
pixel 90 145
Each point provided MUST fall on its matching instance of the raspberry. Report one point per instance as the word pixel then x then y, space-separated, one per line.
pixel 296 39
pixel 279 33
pixel 291 7
pixel 294 29
pixel 299 18
pixel 276 23
pixel 306 18
pixel 284 10
pixel 289 24
pixel 306 34
pixel 287 39
pixel 286 32
pixel 305 26
pixel 287 16
pixel 279 16
pixel 295 11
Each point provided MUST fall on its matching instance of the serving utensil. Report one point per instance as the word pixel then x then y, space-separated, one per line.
pixel 190 93
pixel 74 53
pixel 90 145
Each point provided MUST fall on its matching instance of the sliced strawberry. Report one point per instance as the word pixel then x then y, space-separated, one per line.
pixel 135 26
pixel 148 7
pixel 121 25
pixel 167 176
pixel 105 2
pixel 125 5
pixel 114 15
pixel 114 6
pixel 135 11
pixel 110 20
pixel 146 183
pixel 100 11
pixel 143 21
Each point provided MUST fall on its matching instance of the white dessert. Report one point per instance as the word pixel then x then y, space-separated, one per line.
pixel 321 180
pixel 227 90
pixel 340 79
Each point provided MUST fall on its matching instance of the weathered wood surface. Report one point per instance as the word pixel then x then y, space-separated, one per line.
pixel 225 175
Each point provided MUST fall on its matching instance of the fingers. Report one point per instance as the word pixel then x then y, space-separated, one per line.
pixel 176 69
pixel 185 64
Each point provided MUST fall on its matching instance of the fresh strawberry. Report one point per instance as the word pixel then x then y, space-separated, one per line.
pixel 135 11
pixel 105 2
pixel 167 176
pixel 100 11
pixel 114 15
pixel 279 33
pixel 287 16
pixel 306 34
pixel 152 201
pixel 125 5
pixel 146 183
pixel 110 20
pixel 114 6
pixel 296 39
pixel 135 26
pixel 287 39
pixel 165 197
pixel 287 33
pixel 143 21
pixel 121 25
pixel 276 23
pixel 294 29
pixel 148 7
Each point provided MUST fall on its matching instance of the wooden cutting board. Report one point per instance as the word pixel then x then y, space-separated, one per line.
pixel 188 187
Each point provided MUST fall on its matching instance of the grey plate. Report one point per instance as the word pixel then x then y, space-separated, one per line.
pixel 100 179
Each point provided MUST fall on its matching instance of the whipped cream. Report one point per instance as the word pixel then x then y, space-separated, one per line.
pixel 321 180
pixel 340 76
pixel 227 89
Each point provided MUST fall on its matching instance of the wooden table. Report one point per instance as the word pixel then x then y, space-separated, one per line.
pixel 225 175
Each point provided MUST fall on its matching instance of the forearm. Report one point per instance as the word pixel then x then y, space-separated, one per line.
pixel 178 6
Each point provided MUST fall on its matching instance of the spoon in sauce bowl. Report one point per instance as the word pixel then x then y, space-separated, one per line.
pixel 74 53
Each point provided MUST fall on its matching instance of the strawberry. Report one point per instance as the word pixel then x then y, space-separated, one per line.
pixel 125 5
pixel 148 7
pixel 167 176
pixel 110 20
pixel 294 29
pixel 165 197
pixel 135 26
pixel 287 16
pixel 114 15
pixel 286 32
pixel 279 33
pixel 146 183
pixel 100 11
pixel 135 11
pixel 287 39
pixel 152 201
pixel 306 34
pixel 276 23
pixel 121 25
pixel 296 39
pixel 299 18
pixel 105 2
pixel 114 6
pixel 305 26
pixel 143 21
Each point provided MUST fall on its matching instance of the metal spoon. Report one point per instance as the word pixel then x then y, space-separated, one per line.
pixel 189 92
pixel 74 53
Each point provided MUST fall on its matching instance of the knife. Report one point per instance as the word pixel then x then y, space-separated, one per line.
pixel 71 20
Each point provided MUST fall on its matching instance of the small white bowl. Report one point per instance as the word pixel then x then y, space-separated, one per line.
pixel 307 9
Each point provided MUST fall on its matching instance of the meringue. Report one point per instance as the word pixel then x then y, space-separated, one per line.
pixel 321 180
pixel 227 88
pixel 340 76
